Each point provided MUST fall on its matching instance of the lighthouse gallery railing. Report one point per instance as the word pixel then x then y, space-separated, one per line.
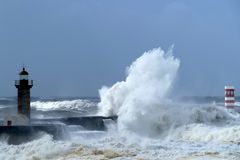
pixel 17 82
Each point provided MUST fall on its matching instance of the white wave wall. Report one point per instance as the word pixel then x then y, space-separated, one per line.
pixel 138 100
pixel 42 148
pixel 78 104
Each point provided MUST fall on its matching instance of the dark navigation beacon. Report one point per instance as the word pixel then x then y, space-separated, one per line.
pixel 24 85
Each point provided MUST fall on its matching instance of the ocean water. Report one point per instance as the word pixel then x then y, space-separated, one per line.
pixel 213 133
pixel 152 123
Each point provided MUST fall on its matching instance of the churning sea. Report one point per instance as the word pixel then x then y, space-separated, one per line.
pixel 209 131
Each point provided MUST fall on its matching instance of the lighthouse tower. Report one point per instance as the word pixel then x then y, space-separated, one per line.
pixel 229 97
pixel 23 86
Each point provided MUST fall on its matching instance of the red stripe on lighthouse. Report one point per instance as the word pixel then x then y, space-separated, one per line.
pixel 229 101
pixel 229 97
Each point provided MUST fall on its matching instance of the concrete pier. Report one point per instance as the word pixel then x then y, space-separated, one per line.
pixel 53 126
pixel 87 122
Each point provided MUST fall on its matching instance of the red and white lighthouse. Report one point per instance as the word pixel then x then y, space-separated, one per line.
pixel 229 97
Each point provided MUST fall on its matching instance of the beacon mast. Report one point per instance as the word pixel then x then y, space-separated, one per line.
pixel 23 86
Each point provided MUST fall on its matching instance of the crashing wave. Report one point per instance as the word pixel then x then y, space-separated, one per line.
pixel 43 148
pixel 137 100
pixel 206 133
pixel 78 104
pixel 142 105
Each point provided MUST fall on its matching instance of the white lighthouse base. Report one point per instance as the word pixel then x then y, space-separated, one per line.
pixel 17 120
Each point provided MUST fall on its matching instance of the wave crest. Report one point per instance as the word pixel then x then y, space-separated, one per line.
pixel 78 104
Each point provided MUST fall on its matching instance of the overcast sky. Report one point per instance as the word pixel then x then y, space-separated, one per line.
pixel 73 47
